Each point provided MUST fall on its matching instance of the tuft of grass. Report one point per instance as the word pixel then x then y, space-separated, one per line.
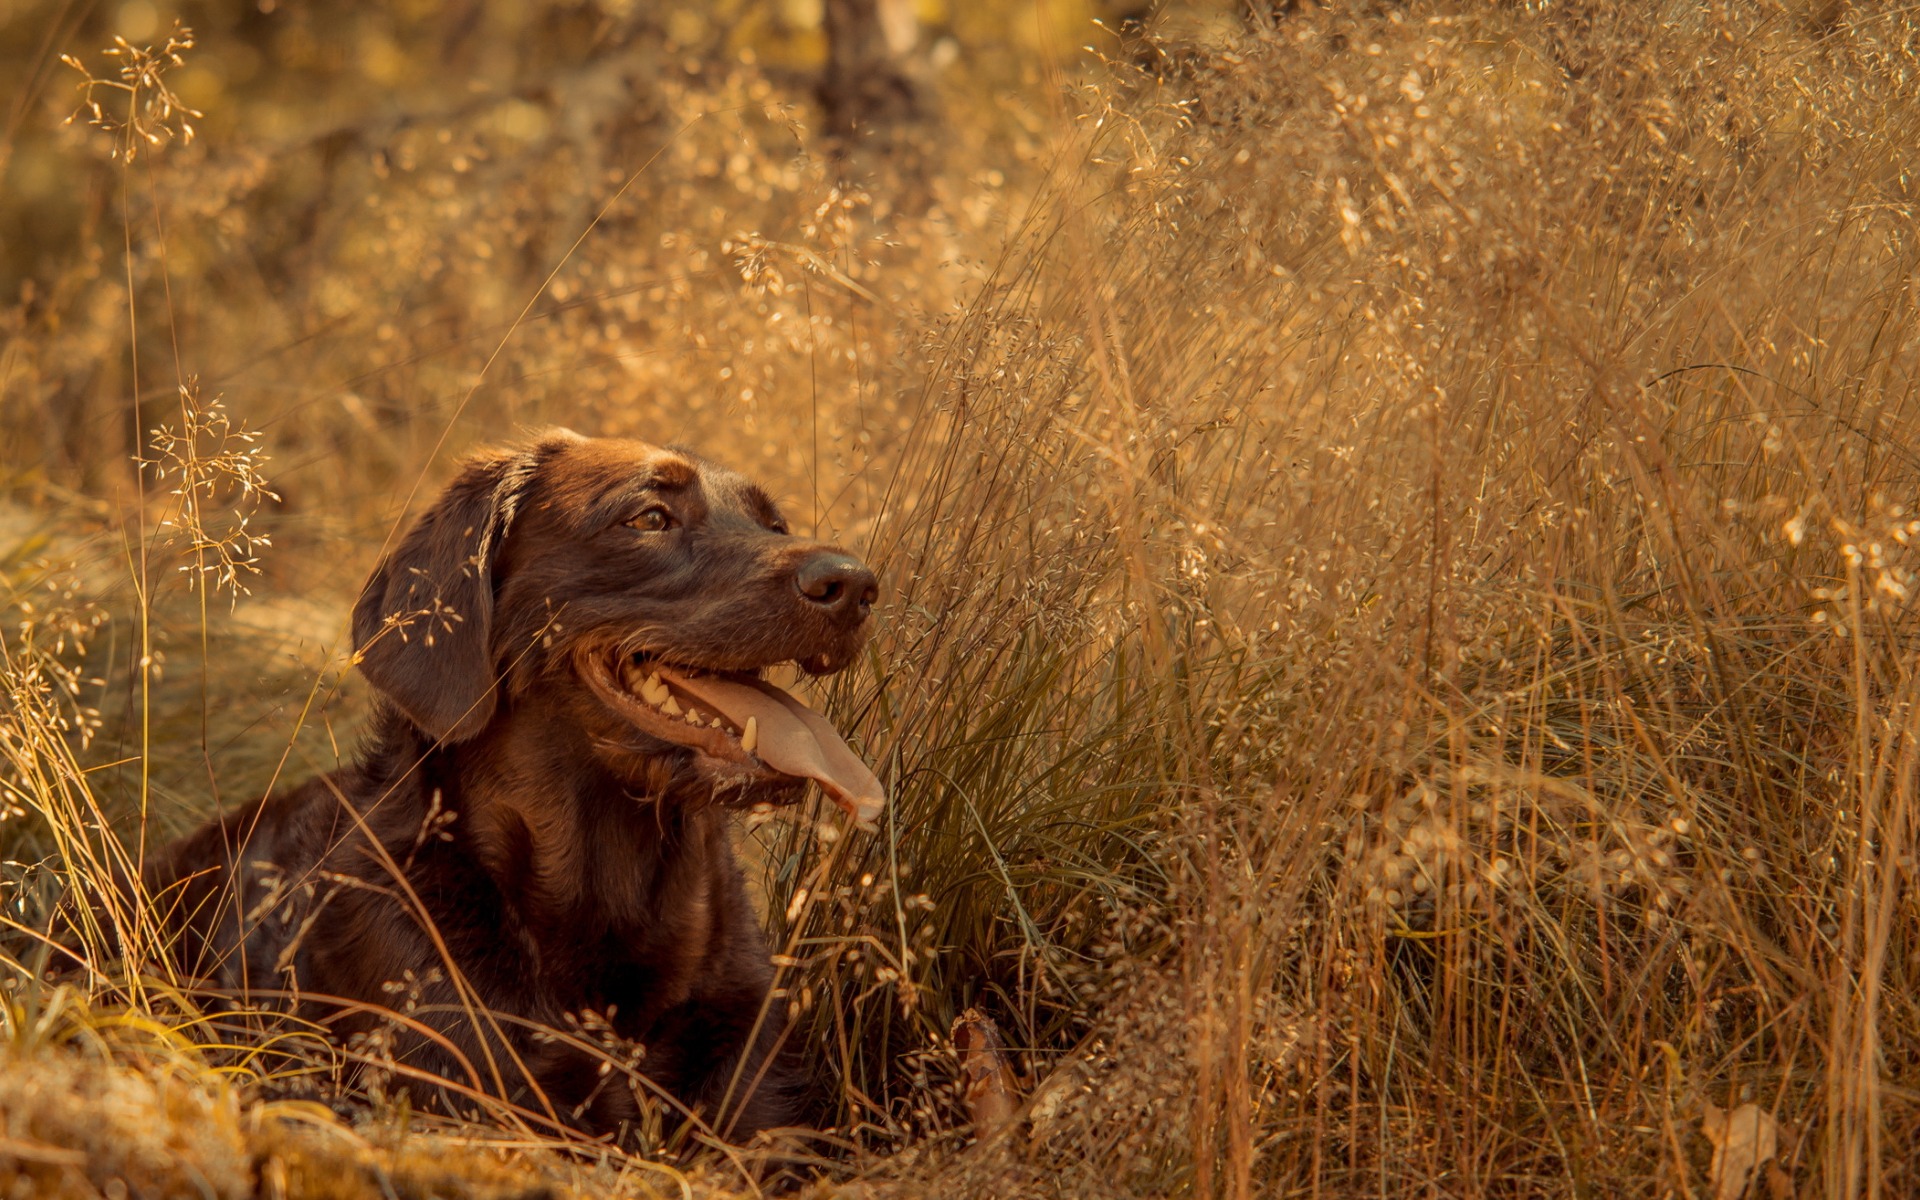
pixel 1415 517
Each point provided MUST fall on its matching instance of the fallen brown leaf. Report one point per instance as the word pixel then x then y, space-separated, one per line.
pixel 1779 1183
pixel 1743 1139
pixel 1052 1099
pixel 986 1079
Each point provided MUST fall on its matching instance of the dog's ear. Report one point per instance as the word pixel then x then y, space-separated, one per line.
pixel 422 629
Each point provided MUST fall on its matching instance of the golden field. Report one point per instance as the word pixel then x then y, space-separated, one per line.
pixel 1396 669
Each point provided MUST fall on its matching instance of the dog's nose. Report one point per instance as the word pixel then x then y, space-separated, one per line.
pixel 839 583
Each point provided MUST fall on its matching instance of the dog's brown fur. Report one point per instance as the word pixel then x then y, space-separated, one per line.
pixel 505 841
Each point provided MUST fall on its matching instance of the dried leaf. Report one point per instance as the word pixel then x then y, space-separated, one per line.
pixel 1053 1099
pixel 986 1079
pixel 1779 1183
pixel 1743 1139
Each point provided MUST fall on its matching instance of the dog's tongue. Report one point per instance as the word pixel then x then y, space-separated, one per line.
pixel 794 739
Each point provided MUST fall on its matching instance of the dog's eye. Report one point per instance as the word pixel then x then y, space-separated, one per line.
pixel 780 527
pixel 654 520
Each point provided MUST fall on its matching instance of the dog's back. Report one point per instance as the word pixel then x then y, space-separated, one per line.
pixel 363 902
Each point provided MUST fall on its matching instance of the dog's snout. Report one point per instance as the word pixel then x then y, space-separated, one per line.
pixel 839 583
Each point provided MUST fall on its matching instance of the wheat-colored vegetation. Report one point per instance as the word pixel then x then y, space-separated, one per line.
pixel 1397 675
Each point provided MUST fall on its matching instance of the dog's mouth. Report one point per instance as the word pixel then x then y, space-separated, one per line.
pixel 736 718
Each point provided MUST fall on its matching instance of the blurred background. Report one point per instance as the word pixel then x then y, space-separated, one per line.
pixel 376 195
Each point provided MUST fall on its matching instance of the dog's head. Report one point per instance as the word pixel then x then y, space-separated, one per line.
pixel 642 590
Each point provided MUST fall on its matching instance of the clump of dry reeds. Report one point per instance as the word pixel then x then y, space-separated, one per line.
pixel 1430 514
pixel 1399 667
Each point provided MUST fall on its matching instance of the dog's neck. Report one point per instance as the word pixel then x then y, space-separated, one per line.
pixel 573 845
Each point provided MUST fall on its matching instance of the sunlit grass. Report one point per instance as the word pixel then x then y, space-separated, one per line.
pixel 1397 672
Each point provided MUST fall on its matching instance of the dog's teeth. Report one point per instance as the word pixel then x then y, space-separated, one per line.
pixel 652 690
pixel 694 717
pixel 670 706
pixel 750 737
pixel 717 723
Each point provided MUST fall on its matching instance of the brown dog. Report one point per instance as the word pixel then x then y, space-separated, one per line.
pixel 566 650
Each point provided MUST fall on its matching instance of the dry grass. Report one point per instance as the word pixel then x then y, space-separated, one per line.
pixel 1399 669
